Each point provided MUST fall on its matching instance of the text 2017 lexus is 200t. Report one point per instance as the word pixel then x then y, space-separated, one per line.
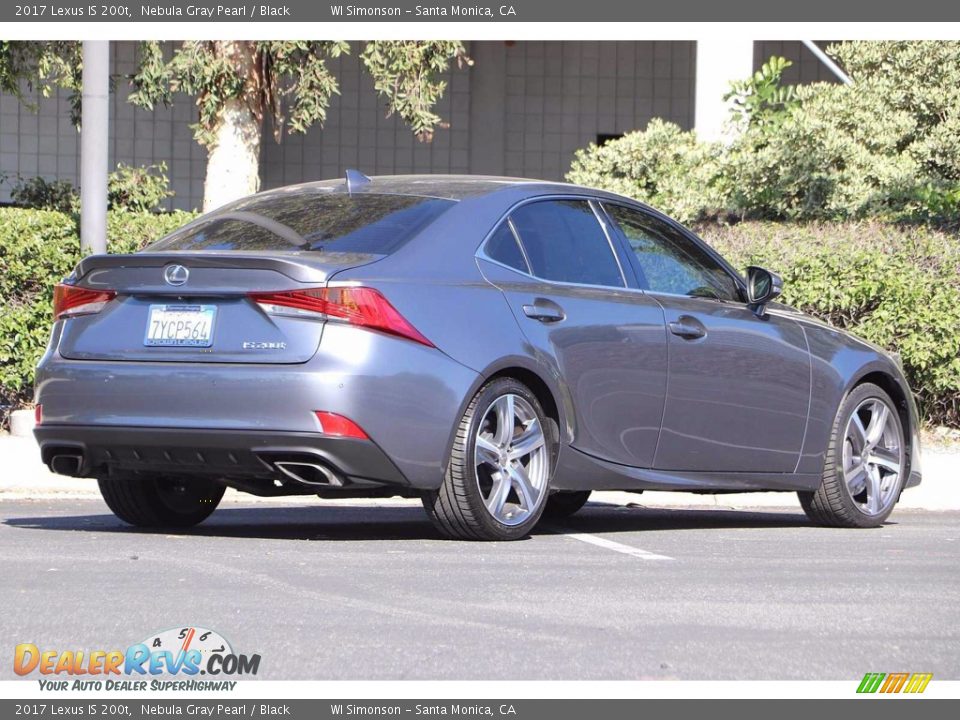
pixel 499 347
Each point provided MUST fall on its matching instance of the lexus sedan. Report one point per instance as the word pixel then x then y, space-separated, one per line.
pixel 497 347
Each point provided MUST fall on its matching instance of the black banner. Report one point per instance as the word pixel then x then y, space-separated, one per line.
pixel 875 709
pixel 539 11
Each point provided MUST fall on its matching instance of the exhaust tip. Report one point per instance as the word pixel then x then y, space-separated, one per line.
pixel 308 473
pixel 66 464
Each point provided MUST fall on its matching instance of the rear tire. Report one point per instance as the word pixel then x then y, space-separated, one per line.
pixel 860 488
pixel 499 491
pixel 161 502
pixel 562 505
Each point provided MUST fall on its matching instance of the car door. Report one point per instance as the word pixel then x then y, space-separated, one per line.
pixel 559 271
pixel 738 390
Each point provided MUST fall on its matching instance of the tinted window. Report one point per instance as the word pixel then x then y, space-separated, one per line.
pixel 670 262
pixel 337 222
pixel 564 242
pixel 502 247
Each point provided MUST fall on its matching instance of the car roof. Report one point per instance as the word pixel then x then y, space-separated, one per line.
pixel 448 187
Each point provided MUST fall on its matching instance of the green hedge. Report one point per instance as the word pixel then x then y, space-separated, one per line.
pixel 37 249
pixel 896 286
pixel 884 147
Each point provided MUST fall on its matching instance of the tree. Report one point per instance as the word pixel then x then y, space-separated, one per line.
pixel 238 84
pixel 44 66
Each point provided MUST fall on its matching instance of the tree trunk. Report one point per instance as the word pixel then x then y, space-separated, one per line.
pixel 233 160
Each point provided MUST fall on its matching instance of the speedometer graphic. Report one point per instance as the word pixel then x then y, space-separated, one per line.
pixel 180 641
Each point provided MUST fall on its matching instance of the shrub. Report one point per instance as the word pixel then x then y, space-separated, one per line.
pixel 887 146
pixel 138 188
pixel 898 287
pixel 43 194
pixel 38 248
pixel 761 100
pixel 663 165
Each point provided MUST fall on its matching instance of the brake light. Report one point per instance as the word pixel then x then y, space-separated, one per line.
pixel 361 306
pixel 38 414
pixel 333 424
pixel 70 300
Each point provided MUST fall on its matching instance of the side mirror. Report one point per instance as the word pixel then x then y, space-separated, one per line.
pixel 762 287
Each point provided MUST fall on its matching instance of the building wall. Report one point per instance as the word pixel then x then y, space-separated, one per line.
pixel 806 67
pixel 560 96
pixel 532 103
pixel 45 142
pixel 522 109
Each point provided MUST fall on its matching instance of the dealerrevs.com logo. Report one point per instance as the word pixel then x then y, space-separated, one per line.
pixel 169 660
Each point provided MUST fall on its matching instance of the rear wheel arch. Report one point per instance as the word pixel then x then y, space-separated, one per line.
pixel 547 395
pixel 537 386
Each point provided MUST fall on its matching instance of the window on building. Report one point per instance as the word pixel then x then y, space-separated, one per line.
pixel 604 138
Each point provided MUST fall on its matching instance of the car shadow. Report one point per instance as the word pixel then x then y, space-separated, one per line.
pixel 393 523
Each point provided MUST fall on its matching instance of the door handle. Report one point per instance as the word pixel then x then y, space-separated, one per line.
pixel 545 311
pixel 687 327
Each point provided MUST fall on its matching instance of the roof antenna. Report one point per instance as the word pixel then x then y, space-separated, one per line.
pixel 356 179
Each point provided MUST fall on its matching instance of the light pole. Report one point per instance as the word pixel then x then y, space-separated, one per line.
pixel 94 134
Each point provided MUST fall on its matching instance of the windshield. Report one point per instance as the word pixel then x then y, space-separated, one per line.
pixel 335 222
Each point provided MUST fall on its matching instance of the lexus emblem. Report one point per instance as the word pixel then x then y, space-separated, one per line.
pixel 175 274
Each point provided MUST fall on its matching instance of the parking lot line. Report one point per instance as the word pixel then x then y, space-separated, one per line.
pixel 613 545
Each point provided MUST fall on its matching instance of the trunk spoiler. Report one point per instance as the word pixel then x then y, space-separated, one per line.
pixel 304 267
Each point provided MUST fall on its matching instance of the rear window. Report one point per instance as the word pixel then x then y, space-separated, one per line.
pixel 333 222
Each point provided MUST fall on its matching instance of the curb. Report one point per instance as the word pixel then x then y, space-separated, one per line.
pixel 23 476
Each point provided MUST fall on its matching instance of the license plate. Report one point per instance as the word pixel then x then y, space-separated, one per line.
pixel 180 325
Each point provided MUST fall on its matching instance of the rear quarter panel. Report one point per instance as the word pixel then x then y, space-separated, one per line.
pixel 435 283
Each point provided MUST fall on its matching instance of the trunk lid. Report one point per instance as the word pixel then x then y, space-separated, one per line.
pixel 208 316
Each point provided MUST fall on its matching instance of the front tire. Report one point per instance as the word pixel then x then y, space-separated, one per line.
pixel 865 463
pixel 501 462
pixel 157 502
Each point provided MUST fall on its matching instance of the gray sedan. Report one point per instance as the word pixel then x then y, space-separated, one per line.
pixel 498 347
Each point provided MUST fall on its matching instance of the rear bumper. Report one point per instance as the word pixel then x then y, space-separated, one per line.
pixel 247 457
pixel 407 398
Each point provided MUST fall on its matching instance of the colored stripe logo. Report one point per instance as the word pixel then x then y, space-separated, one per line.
pixel 894 683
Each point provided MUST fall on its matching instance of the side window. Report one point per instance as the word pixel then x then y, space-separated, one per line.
pixel 564 242
pixel 502 247
pixel 669 261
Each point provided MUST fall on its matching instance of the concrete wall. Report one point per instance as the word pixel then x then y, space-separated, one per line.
pixel 46 143
pixel 806 67
pixel 522 110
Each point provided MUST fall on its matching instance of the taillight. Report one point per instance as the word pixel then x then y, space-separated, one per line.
pixel 361 306
pixel 38 414
pixel 340 426
pixel 70 300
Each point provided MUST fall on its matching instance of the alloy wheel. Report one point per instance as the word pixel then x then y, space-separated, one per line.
pixel 873 456
pixel 512 464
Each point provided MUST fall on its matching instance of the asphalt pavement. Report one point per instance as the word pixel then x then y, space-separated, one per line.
pixel 363 590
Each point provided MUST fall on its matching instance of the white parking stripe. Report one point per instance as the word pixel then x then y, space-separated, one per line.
pixel 615 546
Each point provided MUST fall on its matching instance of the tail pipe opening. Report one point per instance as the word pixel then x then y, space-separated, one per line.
pixel 309 473
pixel 66 463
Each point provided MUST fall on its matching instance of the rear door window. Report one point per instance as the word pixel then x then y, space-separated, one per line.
pixel 564 242
pixel 312 221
